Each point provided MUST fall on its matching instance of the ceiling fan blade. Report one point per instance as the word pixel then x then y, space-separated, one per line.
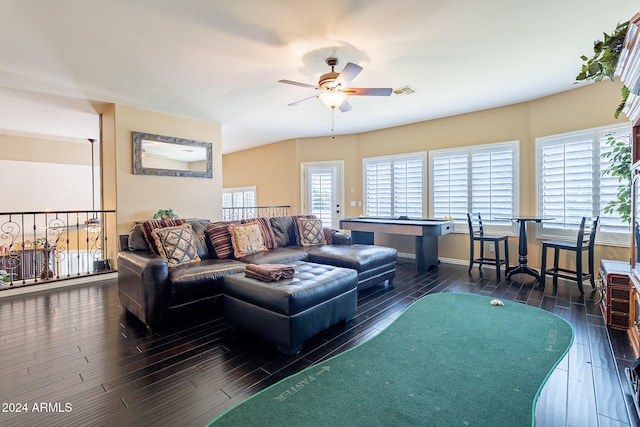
pixel 349 73
pixel 369 91
pixel 291 82
pixel 301 101
pixel 345 106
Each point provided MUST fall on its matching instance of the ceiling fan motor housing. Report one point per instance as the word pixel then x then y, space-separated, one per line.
pixel 327 80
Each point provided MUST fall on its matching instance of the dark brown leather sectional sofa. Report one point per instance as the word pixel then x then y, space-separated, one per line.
pixel 162 296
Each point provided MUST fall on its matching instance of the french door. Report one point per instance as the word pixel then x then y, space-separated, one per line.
pixel 322 185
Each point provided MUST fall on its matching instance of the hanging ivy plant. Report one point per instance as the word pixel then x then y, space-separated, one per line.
pixel 604 61
pixel 601 65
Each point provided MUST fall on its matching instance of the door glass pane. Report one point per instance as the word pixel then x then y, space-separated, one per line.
pixel 321 182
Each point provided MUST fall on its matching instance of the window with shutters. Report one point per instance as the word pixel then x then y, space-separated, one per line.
pixel 572 184
pixel 241 199
pixel 394 185
pixel 480 178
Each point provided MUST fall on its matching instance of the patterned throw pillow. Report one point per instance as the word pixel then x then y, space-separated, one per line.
pixel 246 239
pixel 176 244
pixel 296 226
pixel 268 238
pixel 149 226
pixel 310 232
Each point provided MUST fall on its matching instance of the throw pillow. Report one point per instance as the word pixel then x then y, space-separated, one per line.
pixel 268 238
pixel 283 228
pixel 310 232
pixel 220 239
pixel 296 226
pixel 149 226
pixel 246 239
pixel 176 244
pixel 136 240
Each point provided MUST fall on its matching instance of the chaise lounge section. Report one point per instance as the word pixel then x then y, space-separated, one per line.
pixel 290 311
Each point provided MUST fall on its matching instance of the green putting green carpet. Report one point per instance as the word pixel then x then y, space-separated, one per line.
pixel 448 360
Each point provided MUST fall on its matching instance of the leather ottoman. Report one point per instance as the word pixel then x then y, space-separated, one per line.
pixel 290 311
pixel 374 264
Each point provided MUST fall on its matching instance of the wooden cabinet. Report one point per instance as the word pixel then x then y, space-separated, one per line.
pixel 616 295
pixel 629 71
pixel 634 331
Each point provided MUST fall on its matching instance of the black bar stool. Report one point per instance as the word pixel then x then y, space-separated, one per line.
pixel 476 234
pixel 585 242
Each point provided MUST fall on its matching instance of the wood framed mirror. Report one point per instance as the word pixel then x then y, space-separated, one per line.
pixel 169 156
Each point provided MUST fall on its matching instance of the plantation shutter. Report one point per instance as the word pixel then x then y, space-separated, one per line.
pixel 321 194
pixel 573 183
pixel 609 222
pixel 567 182
pixel 378 189
pixel 241 198
pixel 480 178
pixel 407 183
pixel 492 182
pixel 450 184
pixel 394 186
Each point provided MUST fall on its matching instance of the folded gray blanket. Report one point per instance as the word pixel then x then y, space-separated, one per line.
pixel 269 272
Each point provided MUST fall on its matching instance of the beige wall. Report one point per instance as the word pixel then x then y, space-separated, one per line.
pixel 138 197
pixel 20 148
pixel 275 169
pixel 135 197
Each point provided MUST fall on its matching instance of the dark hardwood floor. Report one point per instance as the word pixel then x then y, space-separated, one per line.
pixel 74 355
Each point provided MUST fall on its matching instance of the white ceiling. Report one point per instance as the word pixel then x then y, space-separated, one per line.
pixel 220 61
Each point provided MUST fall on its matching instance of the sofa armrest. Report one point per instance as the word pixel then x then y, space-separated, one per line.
pixel 144 287
pixel 340 238
pixel 335 237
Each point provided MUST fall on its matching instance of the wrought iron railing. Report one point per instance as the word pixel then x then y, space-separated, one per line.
pixel 231 214
pixel 36 247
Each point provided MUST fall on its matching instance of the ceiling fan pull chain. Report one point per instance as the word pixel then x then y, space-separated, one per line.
pixel 333 133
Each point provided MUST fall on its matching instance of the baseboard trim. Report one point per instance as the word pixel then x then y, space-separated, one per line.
pixel 455 261
pixel 64 283
pixel 444 260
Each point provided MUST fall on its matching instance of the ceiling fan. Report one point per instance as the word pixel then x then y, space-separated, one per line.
pixel 334 89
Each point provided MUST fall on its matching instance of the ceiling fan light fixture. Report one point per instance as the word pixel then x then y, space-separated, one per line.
pixel 94 225
pixel 334 87
pixel 333 98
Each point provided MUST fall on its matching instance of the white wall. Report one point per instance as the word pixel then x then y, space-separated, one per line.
pixel 31 186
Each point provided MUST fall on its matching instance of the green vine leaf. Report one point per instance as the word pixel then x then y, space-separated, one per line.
pixel 604 61
pixel 620 168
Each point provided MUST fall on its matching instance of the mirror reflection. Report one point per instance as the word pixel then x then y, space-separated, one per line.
pixel 168 156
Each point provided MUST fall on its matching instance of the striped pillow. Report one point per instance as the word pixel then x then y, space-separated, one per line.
pixel 220 238
pixel 149 226
pixel 268 238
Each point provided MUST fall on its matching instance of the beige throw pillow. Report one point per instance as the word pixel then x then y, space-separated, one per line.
pixel 246 239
